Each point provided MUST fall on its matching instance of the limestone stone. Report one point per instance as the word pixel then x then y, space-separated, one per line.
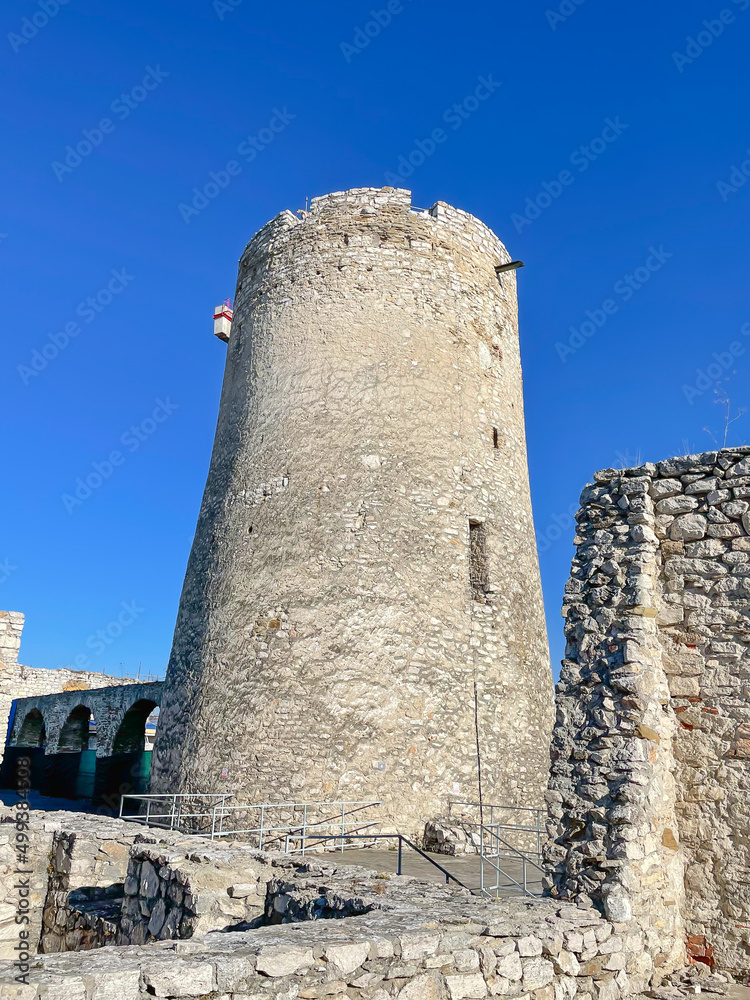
pixel 345 958
pixel 282 960
pixel 688 528
pixel 466 987
pixel 537 972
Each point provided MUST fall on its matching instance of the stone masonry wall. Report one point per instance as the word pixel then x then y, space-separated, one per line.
pixel 108 706
pixel 18 681
pixel 66 852
pixel 650 787
pixel 365 547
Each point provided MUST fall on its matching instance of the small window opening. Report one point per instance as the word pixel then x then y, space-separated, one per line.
pixel 478 568
pixel 495 438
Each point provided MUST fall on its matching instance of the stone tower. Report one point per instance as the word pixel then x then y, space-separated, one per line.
pixel 365 549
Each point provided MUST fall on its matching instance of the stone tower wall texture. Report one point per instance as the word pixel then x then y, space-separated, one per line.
pixel 365 548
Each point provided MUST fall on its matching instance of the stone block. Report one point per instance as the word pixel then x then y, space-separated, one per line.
pixel 471 987
pixel 537 972
pixel 529 947
pixel 343 959
pixel 283 960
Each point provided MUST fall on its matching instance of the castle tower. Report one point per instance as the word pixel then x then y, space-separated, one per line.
pixel 365 548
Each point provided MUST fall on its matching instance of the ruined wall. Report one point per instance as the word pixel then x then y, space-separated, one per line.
pixel 18 681
pixel 326 930
pixel 332 620
pixel 650 788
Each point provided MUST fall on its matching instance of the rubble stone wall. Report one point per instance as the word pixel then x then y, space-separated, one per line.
pixel 365 547
pixel 649 793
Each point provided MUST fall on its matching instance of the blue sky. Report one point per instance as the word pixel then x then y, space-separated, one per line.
pixel 609 157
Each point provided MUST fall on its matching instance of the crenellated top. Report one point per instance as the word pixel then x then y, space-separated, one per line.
pixel 439 221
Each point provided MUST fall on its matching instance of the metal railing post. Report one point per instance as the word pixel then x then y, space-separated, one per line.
pixel 304 828
pixel 343 826
pixel 148 810
pixel 400 852
pixel 171 811
pixel 260 839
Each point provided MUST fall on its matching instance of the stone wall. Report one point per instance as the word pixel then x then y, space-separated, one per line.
pixel 18 681
pixel 108 705
pixel 328 930
pixel 186 887
pixel 650 788
pixel 66 852
pixel 365 548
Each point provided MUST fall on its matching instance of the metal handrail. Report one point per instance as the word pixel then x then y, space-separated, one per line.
pixel 513 852
pixel 539 815
pixel 405 840
pixel 179 811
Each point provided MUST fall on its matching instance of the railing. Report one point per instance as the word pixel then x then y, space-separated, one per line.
pixel 178 806
pixel 404 840
pixel 498 850
pixel 515 820
pixel 210 815
pixel 297 832
pixel 525 826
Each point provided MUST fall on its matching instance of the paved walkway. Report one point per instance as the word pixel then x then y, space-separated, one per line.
pixel 464 867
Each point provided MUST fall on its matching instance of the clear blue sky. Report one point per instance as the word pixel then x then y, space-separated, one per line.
pixel 182 87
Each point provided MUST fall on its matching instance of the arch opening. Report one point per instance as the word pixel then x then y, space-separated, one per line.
pixel 33 732
pixel 131 735
pixel 127 771
pixel 74 735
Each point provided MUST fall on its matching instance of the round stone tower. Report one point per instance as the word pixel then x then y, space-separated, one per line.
pixel 365 549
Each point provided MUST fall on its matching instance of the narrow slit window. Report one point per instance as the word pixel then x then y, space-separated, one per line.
pixel 478 569
pixel 495 438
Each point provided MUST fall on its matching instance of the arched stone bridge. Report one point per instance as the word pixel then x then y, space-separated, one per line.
pixel 54 731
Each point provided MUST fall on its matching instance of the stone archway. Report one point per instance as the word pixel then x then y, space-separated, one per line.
pixel 127 770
